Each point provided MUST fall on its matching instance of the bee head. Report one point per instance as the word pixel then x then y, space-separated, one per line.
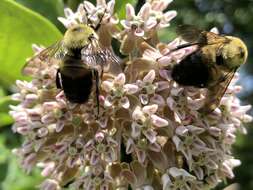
pixel 234 53
pixel 78 36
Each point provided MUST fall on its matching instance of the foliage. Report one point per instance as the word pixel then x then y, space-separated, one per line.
pixel 20 27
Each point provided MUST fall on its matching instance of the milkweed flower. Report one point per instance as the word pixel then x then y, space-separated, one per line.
pixel 149 133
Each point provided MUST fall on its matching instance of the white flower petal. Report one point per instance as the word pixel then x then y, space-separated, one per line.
pixel 131 88
pixel 144 99
pixel 149 78
pixel 124 102
pixel 144 11
pixel 155 147
pixel 227 170
pixel 165 61
pixel 158 121
pixel 138 114
pixel 99 137
pixel 129 146
pixel 130 13
pixel 110 6
pixel 139 32
pixel 141 155
pixel 175 172
pixel 150 109
pixel 151 135
pixel 215 30
pixel 136 130
pixel 182 131
pixel 168 16
pixel 150 23
pixel 126 24
pixel 158 99
pixel 177 141
pixel 101 3
pixel 68 12
pixel 48 169
pixel 108 101
pixel 107 86
pixel 120 79
pixel 166 182
pixel 151 54
pixel 89 7
pixel 103 122
pixel 50 184
pixel 199 173
pixel 166 74
pixel 195 130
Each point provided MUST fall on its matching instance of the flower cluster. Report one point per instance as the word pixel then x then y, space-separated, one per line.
pixel 149 133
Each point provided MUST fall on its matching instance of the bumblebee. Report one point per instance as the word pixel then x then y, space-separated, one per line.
pixel 212 65
pixel 81 62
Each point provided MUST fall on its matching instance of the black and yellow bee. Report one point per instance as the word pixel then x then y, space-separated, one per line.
pixel 81 62
pixel 212 65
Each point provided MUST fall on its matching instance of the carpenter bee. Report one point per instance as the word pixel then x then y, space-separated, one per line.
pixel 212 65
pixel 80 58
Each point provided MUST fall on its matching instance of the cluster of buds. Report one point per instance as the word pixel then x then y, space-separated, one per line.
pixel 149 133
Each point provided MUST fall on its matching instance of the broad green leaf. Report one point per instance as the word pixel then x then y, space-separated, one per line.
pixel 4 151
pixel 16 179
pixel 20 28
pixel 5 119
pixel 51 9
pixel 2 92
pixel 5 102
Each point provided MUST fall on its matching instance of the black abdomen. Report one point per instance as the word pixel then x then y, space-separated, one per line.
pixel 192 71
pixel 76 89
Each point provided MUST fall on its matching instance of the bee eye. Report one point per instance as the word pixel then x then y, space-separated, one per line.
pixel 219 60
pixel 241 52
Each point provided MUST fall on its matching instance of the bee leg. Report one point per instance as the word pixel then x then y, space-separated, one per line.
pixel 97 90
pixel 58 79
pixel 102 71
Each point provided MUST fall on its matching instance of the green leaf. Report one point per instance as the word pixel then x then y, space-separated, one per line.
pixel 5 102
pixel 4 151
pixel 16 179
pixel 51 9
pixel 20 28
pixel 5 119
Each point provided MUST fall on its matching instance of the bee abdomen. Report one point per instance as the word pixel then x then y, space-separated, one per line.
pixel 76 89
pixel 191 71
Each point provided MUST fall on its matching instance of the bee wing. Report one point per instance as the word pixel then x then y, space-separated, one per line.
pixel 112 62
pixel 33 65
pixel 195 36
pixel 95 56
pixel 216 92
pixel 188 33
